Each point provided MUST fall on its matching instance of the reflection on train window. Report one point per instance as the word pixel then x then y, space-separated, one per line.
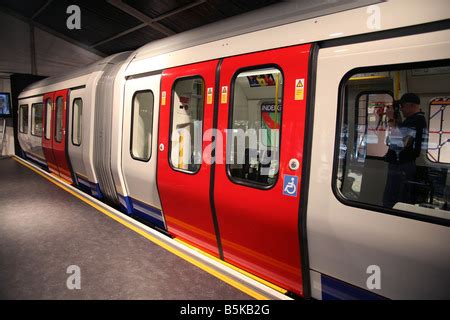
pixel 372 123
pixel 36 119
pixel 23 118
pixel 394 148
pixel 187 124
pixel 77 121
pixel 59 119
pixel 142 125
pixel 439 133
pixel 253 145
pixel 48 118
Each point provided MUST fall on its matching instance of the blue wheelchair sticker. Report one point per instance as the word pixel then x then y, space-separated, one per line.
pixel 290 185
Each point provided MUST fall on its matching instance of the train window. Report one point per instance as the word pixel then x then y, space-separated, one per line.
pixel 36 119
pixel 255 119
pixel 394 154
pixel 59 119
pixel 142 125
pixel 77 121
pixel 48 118
pixel 23 118
pixel 187 124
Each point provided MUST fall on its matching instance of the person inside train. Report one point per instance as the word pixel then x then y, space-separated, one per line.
pixel 405 143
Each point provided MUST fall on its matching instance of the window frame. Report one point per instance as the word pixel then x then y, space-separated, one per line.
pixel 244 182
pixel 20 118
pixel 371 208
pixel 79 120
pixel 172 94
pixel 49 130
pixel 132 125
pixel 32 106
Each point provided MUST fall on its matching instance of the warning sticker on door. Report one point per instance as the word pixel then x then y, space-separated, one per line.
pixel 290 185
pixel 163 98
pixel 209 96
pixel 299 88
pixel 224 95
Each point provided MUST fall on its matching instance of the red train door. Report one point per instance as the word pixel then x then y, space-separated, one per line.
pixel 59 134
pixel 262 103
pixel 54 137
pixel 186 112
pixel 47 137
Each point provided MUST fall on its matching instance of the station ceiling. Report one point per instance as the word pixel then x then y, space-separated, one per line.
pixel 113 26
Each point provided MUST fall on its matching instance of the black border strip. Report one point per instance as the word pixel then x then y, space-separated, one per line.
pixel 386 34
pixel 69 163
pixel 51 116
pixel 213 163
pixel 341 104
pixel 160 108
pixel 307 146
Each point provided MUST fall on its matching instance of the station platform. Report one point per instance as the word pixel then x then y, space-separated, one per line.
pixel 47 226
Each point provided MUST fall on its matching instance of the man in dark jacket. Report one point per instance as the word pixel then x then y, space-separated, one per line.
pixel 405 144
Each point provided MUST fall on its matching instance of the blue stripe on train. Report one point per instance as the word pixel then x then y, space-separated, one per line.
pixel 142 210
pixel 89 187
pixel 125 204
pixel 40 163
pixel 334 289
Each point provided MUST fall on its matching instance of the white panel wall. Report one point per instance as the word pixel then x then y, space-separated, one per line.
pixel 8 147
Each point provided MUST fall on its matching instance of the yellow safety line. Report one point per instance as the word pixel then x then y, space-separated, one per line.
pixel 256 278
pixel 178 253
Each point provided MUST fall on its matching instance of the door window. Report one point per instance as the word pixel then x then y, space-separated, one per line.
pixel 142 125
pixel 48 118
pixel 254 140
pixel 77 121
pixel 23 118
pixel 187 124
pixel 36 119
pixel 59 119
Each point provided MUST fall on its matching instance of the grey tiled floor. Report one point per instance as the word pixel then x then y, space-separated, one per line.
pixel 44 229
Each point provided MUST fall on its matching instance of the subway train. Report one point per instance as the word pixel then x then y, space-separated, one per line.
pixel 265 146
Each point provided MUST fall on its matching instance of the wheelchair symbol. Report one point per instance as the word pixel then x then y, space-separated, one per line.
pixel 290 185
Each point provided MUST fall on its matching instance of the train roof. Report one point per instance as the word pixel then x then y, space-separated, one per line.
pixel 76 77
pixel 288 23
pixel 268 28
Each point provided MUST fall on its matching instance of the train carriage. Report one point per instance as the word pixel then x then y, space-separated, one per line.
pixel 156 132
